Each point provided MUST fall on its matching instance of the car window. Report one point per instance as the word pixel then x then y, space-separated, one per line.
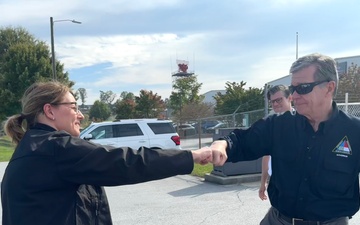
pixel 86 129
pixel 127 130
pixel 162 128
pixel 102 132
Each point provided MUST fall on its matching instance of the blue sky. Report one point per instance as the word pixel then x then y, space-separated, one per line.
pixel 133 45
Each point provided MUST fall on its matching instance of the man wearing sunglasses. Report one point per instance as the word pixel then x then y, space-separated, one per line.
pixel 315 152
pixel 280 99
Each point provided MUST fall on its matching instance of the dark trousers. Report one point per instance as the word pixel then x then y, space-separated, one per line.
pixel 273 218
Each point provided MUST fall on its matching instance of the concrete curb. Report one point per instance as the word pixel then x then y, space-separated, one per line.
pixel 209 177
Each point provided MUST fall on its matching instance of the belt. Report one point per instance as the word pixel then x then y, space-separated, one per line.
pixel 296 221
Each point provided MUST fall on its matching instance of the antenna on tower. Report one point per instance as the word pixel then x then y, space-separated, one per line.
pixel 171 69
pixel 297 37
pixel 194 60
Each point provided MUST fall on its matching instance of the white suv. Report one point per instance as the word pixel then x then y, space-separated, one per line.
pixel 134 133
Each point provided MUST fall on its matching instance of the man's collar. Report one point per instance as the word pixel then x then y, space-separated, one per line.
pixel 326 125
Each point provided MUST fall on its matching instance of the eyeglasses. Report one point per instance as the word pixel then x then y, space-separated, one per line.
pixel 75 107
pixel 277 100
pixel 303 89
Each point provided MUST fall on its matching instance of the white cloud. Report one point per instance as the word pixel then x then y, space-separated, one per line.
pixel 130 45
pixel 120 51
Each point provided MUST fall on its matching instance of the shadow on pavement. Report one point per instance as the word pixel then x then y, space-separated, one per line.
pixel 203 187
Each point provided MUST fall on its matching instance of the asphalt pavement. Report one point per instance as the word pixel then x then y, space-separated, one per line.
pixel 186 200
pixel 195 143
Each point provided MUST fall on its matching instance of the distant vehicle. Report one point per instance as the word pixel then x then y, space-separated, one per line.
pixel 204 125
pixel 185 129
pixel 217 126
pixel 134 133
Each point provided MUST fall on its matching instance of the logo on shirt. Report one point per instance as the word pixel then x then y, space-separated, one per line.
pixel 343 147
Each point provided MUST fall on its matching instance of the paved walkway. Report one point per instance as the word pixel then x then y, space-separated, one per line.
pixel 186 200
pixel 193 143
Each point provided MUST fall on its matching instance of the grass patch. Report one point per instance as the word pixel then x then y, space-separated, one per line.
pixel 200 170
pixel 6 149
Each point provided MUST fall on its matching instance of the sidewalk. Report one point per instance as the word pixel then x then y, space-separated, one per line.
pixel 193 143
pixel 186 200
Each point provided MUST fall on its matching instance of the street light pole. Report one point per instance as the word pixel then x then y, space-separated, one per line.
pixel 53 62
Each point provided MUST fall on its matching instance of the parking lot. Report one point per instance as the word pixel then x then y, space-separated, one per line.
pixel 186 200
pixel 194 143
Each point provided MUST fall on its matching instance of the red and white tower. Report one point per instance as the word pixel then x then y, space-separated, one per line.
pixel 182 71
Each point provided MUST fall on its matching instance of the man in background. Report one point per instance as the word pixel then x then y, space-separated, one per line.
pixel 280 100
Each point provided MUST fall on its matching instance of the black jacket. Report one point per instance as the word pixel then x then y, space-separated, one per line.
pixel 314 174
pixel 54 178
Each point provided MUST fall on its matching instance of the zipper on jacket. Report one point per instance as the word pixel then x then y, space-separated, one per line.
pixel 97 204
pixel 96 208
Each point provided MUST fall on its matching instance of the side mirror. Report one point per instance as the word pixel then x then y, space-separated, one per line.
pixel 88 137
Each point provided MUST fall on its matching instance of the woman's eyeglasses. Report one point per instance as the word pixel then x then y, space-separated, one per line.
pixel 303 89
pixel 75 107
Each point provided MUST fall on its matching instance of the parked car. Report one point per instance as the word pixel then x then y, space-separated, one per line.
pixel 208 123
pixel 134 133
pixel 185 129
pixel 204 125
pixel 214 128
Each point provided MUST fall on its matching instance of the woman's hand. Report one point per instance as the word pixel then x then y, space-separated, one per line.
pixel 202 156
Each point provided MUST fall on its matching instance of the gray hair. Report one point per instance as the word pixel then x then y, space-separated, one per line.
pixel 326 67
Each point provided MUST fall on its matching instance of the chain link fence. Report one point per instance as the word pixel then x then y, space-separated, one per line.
pixel 207 127
pixel 351 108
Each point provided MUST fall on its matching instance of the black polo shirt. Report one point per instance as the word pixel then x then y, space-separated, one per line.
pixel 314 174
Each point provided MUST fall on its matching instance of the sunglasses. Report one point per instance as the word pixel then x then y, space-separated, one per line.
pixel 303 89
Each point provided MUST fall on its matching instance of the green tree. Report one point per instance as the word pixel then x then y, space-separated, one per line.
pixel 107 97
pixel 127 95
pixel 100 111
pixel 148 104
pixel 194 111
pixel 82 94
pixel 23 61
pixel 186 91
pixel 349 83
pixel 125 106
pixel 238 98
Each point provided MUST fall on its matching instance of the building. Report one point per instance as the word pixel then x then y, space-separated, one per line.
pixel 345 62
pixel 209 96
